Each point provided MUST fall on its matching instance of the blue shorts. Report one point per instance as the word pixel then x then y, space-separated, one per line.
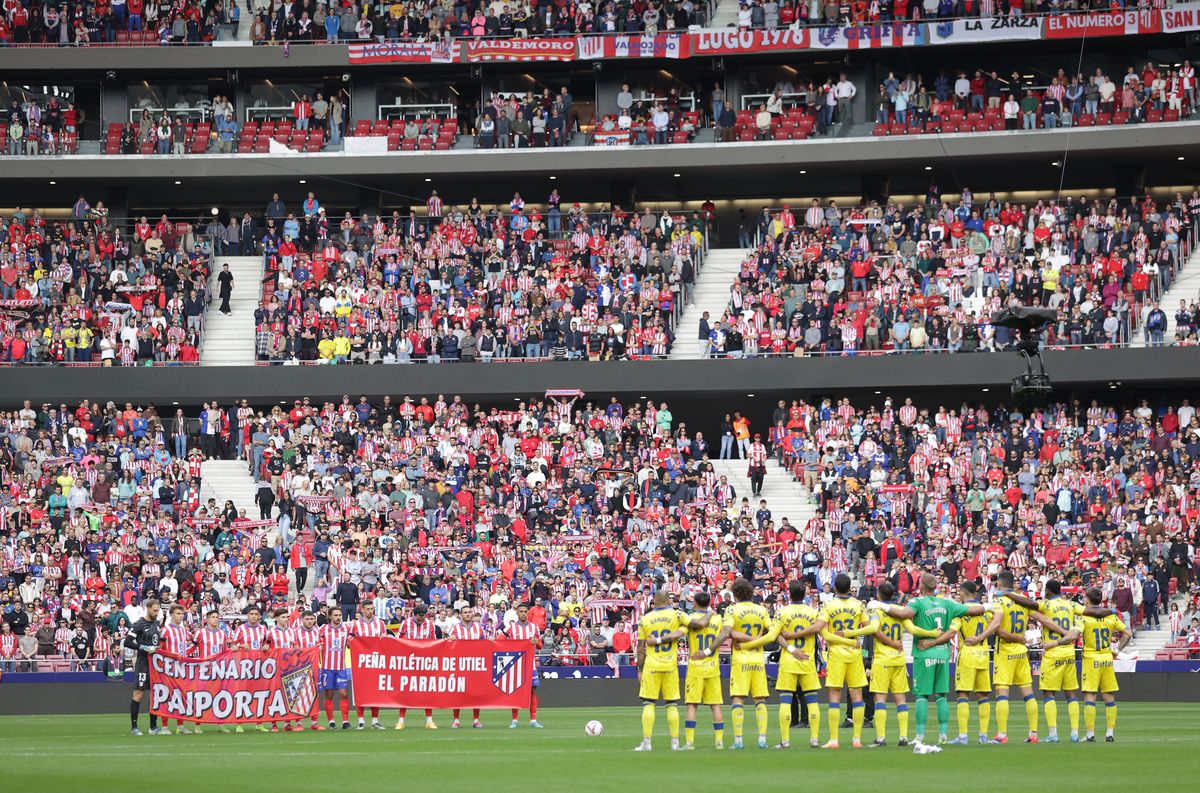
pixel 333 679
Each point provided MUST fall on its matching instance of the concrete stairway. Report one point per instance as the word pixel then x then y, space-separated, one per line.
pixel 785 497
pixel 1186 287
pixel 229 480
pixel 229 338
pixel 726 14
pixel 710 294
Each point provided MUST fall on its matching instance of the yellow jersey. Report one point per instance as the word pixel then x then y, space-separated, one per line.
pixel 702 639
pixel 844 614
pixel 793 618
pixel 1062 613
pixel 1098 634
pixel 972 656
pixel 892 628
pixel 1014 619
pixel 752 620
pixel 657 623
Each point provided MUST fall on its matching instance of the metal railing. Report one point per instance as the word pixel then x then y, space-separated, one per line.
pixel 415 111
pixel 790 101
pixel 200 114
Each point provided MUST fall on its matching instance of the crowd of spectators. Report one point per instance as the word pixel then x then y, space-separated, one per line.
pixel 987 101
pixel 521 121
pixel 779 14
pixel 116 22
pixel 580 508
pixel 928 277
pixel 85 290
pixel 432 21
pixel 468 283
pixel 30 129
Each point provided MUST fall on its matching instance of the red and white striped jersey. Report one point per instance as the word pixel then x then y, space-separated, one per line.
pixel 372 628
pixel 281 638
pixel 524 631
pixel 176 639
pixel 463 632
pixel 302 637
pixel 411 629
pixel 334 639
pixel 253 637
pixel 210 642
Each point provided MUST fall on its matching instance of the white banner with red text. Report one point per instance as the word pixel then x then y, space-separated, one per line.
pixel 1184 17
pixel 664 45
pixel 406 52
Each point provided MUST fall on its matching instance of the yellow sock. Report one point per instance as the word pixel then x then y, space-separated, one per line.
pixel 1110 716
pixel 1031 713
pixel 963 714
pixel 719 734
pixel 689 733
pixel 1052 715
pixel 762 719
pixel 835 722
pixel 856 718
pixel 1002 716
pixel 1073 714
pixel 673 721
pixel 902 720
pixel 647 721
pixel 739 718
pixel 985 716
pixel 785 722
pixel 1089 716
pixel 814 721
pixel 881 722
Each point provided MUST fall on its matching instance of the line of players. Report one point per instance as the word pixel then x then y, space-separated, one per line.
pixel 333 638
pixel 933 621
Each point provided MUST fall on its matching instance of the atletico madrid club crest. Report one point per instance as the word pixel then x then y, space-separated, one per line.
pixel 508 671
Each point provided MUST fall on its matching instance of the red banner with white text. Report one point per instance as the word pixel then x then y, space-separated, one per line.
pixel 728 41
pixel 1102 23
pixel 236 686
pixel 521 50
pixel 401 673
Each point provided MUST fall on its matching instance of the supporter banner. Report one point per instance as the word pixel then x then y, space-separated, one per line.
pixel 1102 23
pixel 400 673
pixel 521 50
pixel 719 41
pixel 405 52
pixel 960 31
pixel 1182 18
pixel 861 37
pixel 618 138
pixel 664 45
pixel 236 686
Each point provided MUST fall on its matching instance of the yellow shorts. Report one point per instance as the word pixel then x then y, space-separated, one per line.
pixel 1059 675
pixel 849 673
pixel 1098 675
pixel 968 679
pixel 889 679
pixel 797 681
pixel 660 685
pixel 702 690
pixel 1012 670
pixel 748 680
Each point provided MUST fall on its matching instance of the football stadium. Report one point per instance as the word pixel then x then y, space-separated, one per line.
pixel 622 393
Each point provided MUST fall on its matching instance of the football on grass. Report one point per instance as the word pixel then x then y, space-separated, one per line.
pixel 593 728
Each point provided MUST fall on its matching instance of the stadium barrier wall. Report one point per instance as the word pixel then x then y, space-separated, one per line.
pixel 906 373
pixel 67 698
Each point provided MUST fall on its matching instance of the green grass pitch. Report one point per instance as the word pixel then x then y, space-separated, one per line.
pixel 1157 749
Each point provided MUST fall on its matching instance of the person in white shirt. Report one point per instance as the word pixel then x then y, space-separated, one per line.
pixel 662 123
pixel 844 92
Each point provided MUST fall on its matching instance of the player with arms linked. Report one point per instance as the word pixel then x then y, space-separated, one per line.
pixel 703 686
pixel 845 620
pixel 795 629
pixel 1098 675
pixel 659 631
